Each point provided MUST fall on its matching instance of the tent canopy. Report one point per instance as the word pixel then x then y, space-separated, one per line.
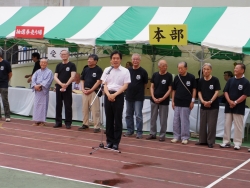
pixel 222 28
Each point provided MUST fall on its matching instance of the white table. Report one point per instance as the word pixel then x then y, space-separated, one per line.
pixel 21 102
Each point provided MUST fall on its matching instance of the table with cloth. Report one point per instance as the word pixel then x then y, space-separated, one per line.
pixel 21 102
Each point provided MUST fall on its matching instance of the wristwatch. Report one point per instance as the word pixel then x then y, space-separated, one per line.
pixel 235 102
pixel 193 99
pixel 211 101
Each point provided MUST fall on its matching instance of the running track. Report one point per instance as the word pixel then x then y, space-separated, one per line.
pixel 141 163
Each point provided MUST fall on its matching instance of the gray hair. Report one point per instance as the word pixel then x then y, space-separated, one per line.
pixel 207 64
pixel 65 51
pixel 184 63
pixel 161 61
pixel 43 59
pixel 136 54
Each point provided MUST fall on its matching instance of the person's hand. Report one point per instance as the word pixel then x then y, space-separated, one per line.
pixel 111 97
pixel 191 106
pixel 232 104
pixel 64 86
pixel 156 100
pixel 161 99
pixel 37 87
pixel 26 76
pixel 29 79
pixel 207 104
pixel 87 92
pixel 173 105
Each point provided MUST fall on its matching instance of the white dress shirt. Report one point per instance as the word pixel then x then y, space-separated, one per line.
pixel 117 78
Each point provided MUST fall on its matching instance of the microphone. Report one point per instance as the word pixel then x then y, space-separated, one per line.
pixel 111 67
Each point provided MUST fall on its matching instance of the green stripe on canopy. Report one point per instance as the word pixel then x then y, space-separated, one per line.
pixel 77 19
pixel 198 23
pixel 132 22
pixel 21 17
pixel 246 48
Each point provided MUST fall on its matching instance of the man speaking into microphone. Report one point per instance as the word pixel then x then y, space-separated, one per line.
pixel 116 80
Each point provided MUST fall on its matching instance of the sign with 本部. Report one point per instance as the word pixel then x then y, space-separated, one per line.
pixel 29 32
pixel 55 53
pixel 168 34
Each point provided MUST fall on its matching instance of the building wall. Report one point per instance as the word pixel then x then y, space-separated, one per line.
pixel 168 3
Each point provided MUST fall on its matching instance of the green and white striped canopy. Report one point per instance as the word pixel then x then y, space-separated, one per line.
pixel 223 28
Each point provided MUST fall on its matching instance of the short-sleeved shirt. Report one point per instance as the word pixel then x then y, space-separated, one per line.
pixel 235 89
pixel 161 86
pixel 207 89
pixel 5 69
pixel 183 97
pixel 135 90
pixel 36 67
pixel 116 78
pixel 91 75
pixel 64 71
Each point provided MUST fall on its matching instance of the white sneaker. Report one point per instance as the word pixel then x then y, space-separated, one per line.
pixel 7 119
pixel 236 147
pixel 184 142
pixel 174 140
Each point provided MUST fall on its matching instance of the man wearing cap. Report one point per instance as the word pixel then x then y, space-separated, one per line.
pixel 90 82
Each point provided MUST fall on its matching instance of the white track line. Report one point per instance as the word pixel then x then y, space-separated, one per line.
pixel 84 167
pixel 112 172
pixel 142 140
pixel 58 177
pixel 130 145
pixel 149 156
pixel 122 152
pixel 113 160
pixel 228 174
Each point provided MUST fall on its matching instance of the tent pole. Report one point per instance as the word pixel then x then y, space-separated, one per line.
pixel 153 64
pixel 198 109
pixel 94 50
pixel 5 51
pixel 11 56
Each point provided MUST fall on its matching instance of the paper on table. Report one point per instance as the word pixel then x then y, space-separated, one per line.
pixel 77 91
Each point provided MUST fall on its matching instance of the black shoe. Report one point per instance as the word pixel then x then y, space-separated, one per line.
pixel 83 127
pixel 139 136
pixel 210 145
pixel 127 134
pixel 109 145
pixel 57 126
pixel 199 143
pixel 151 137
pixel 162 139
pixel 115 147
pixel 97 130
pixel 68 126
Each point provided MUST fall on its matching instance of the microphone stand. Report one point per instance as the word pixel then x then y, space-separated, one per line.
pixel 101 145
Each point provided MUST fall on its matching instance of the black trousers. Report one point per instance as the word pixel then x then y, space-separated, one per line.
pixel 113 111
pixel 66 98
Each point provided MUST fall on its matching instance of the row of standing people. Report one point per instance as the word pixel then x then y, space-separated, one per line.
pixel 133 80
pixel 183 90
